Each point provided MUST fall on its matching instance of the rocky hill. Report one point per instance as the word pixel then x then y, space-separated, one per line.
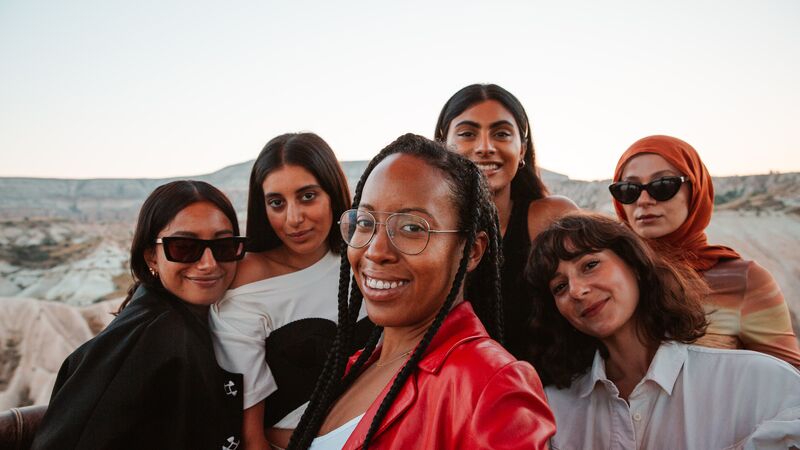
pixel 64 245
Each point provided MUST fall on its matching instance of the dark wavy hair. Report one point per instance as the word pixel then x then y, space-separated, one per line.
pixel 158 210
pixel 527 183
pixel 476 212
pixel 669 306
pixel 310 152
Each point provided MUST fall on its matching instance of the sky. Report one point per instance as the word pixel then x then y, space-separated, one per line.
pixel 152 89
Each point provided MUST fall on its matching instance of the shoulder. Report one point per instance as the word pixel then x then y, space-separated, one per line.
pixel 254 267
pixel 750 367
pixel 757 275
pixel 544 211
pixel 483 361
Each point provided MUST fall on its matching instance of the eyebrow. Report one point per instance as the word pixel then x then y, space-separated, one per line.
pixel 371 208
pixel 492 125
pixel 194 235
pixel 300 189
pixel 656 175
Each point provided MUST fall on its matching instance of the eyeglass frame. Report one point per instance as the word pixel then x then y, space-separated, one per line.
pixel 206 243
pixel 643 187
pixel 390 215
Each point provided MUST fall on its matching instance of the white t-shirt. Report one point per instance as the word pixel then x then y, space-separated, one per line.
pixel 691 398
pixel 247 315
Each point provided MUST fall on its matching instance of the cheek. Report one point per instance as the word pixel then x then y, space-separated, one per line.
pixel 629 211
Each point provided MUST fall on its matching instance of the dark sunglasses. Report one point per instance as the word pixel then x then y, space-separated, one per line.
pixel 188 250
pixel 662 189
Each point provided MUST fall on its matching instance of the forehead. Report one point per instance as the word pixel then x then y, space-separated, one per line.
pixel 287 177
pixel 487 111
pixel 645 165
pixel 199 218
pixel 407 182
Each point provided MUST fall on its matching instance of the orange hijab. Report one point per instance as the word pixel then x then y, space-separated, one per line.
pixel 688 242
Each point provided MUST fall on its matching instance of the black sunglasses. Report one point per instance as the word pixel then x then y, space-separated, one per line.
pixel 662 189
pixel 188 250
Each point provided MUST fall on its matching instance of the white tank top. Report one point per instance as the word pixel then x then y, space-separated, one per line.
pixel 336 439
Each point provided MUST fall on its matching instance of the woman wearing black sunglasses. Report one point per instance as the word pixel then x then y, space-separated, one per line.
pixel 150 380
pixel 663 191
pixel 277 322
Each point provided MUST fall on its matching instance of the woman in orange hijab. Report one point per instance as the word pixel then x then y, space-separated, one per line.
pixel 663 191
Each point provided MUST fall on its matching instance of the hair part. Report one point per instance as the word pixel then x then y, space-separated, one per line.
pixel 157 211
pixel 670 296
pixel 527 183
pixel 310 152
pixel 476 213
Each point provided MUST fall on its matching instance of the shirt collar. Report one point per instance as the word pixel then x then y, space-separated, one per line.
pixel 664 369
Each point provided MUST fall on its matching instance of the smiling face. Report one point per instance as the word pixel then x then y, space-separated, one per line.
pixel 299 211
pixel 202 282
pixel 650 218
pixel 488 135
pixel 597 293
pixel 406 290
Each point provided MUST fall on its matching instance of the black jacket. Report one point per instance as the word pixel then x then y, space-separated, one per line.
pixel 148 381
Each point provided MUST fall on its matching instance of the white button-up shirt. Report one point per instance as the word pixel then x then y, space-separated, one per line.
pixel 691 398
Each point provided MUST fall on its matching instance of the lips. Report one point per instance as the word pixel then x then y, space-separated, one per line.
pixel 205 281
pixel 647 218
pixel 488 167
pixel 299 235
pixel 594 308
pixel 382 288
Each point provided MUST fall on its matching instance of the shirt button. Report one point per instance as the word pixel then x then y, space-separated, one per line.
pixel 637 417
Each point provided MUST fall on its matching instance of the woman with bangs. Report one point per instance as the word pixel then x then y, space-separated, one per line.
pixel 489 126
pixel 276 323
pixel 611 338
pixel 664 193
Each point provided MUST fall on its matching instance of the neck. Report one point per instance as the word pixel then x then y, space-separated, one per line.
pixel 503 203
pixel 628 360
pixel 297 261
pixel 398 340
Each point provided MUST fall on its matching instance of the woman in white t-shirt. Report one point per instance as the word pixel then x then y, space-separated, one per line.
pixel 611 334
pixel 277 321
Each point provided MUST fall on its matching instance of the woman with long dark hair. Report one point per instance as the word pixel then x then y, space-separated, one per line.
pixel 488 125
pixel 437 379
pixel 610 337
pixel 277 322
pixel 150 380
pixel 664 192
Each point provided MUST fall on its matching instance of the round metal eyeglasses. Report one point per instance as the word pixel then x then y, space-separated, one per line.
pixel 408 233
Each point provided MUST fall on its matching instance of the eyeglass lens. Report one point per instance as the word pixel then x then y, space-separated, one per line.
pixel 187 250
pixel 407 232
pixel 662 189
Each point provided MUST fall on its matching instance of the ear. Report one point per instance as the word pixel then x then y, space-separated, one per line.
pixel 150 258
pixel 477 250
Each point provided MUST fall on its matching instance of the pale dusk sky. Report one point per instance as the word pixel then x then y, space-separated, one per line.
pixel 98 89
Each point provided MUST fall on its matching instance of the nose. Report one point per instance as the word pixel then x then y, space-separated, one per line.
pixel 380 249
pixel 294 214
pixel 645 199
pixel 484 145
pixel 207 260
pixel 578 289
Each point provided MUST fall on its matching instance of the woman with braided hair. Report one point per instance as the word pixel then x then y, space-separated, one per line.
pixel 424 219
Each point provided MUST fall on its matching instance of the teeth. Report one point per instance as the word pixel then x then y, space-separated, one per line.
pixel 381 284
pixel 488 166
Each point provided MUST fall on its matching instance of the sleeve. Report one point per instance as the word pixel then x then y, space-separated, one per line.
pixel 511 413
pixel 106 394
pixel 782 431
pixel 239 333
pixel 766 325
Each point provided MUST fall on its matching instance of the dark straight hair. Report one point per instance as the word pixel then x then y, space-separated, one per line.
pixel 527 183
pixel 670 296
pixel 158 210
pixel 476 212
pixel 310 152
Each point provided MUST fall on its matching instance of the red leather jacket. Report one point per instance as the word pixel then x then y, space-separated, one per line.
pixel 468 393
